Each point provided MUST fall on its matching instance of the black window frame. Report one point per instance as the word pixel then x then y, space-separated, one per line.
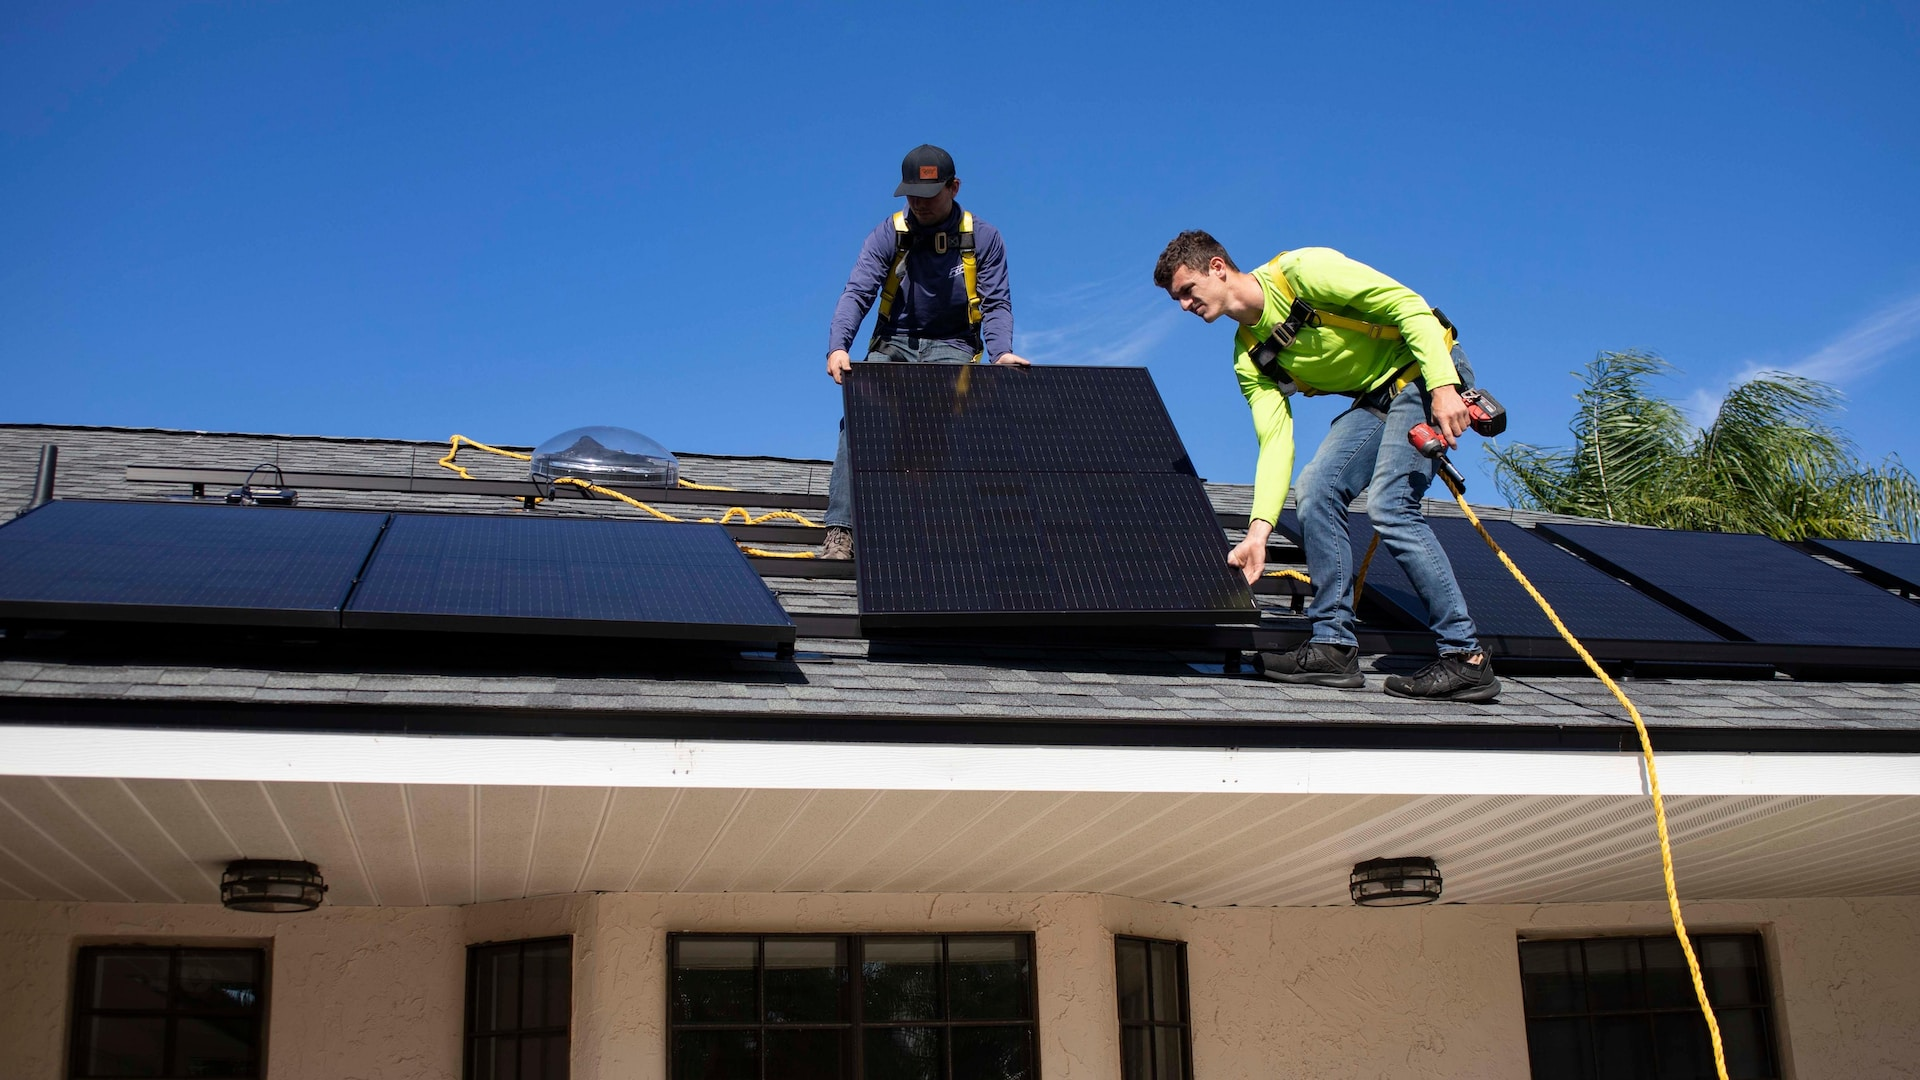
pixel 855 1024
pixel 470 1037
pixel 82 1011
pixel 1763 1005
pixel 1184 1024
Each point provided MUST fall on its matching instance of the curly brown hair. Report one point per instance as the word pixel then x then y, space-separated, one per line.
pixel 1192 249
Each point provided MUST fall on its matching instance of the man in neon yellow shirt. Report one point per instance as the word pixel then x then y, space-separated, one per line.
pixel 1317 322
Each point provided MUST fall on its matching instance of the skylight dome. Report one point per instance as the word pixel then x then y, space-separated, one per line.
pixel 612 456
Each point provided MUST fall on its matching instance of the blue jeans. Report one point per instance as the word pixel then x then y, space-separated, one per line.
pixel 899 350
pixel 1362 451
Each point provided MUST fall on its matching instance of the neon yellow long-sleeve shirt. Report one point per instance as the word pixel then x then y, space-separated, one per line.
pixel 1328 358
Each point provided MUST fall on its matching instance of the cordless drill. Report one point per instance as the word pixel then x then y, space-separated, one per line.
pixel 1484 415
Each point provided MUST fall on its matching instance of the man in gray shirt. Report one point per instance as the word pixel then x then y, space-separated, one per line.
pixel 940 275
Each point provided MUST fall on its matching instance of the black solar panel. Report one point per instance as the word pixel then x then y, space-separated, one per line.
pixel 182 562
pixel 1052 495
pixel 1752 587
pixel 564 576
pixel 1896 566
pixel 1592 604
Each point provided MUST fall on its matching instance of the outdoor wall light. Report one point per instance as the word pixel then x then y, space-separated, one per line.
pixel 1395 882
pixel 271 885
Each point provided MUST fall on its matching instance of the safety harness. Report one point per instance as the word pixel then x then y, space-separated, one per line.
pixel 1300 315
pixel 903 241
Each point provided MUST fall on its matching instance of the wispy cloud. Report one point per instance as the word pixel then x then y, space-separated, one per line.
pixel 1116 322
pixel 1865 347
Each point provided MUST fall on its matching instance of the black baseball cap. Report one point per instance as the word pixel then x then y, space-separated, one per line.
pixel 924 171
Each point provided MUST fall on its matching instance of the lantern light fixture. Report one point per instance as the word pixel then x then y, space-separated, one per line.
pixel 1400 882
pixel 271 885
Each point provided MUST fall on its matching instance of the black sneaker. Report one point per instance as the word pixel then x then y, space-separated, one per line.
pixel 1450 678
pixel 1320 663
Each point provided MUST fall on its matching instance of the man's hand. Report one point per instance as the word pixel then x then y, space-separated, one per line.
pixel 1449 413
pixel 838 364
pixel 1013 361
pixel 1249 556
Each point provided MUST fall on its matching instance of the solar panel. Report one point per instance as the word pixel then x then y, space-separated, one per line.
pixel 1751 587
pixel 1896 566
pixel 1028 496
pixel 1593 605
pixel 599 577
pixel 182 562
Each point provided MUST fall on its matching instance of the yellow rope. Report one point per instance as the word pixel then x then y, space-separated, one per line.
pixel 744 516
pixel 1360 579
pixel 1653 776
pixel 685 483
pixel 1294 574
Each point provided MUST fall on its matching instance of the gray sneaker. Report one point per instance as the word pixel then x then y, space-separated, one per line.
pixel 839 543
pixel 1319 663
pixel 1450 678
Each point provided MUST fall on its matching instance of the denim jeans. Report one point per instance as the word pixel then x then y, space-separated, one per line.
pixel 899 350
pixel 1362 451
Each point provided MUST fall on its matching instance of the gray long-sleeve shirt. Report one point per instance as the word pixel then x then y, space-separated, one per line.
pixel 933 290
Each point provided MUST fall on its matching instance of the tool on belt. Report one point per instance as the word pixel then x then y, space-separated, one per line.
pixel 1484 415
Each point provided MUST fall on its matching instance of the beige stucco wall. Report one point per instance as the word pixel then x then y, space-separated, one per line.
pixel 375 993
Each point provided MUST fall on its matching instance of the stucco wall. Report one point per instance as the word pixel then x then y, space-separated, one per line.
pixel 366 993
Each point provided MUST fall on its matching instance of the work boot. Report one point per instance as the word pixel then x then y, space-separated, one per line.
pixel 1320 663
pixel 839 543
pixel 1450 678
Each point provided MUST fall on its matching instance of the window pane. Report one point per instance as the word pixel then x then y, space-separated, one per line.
pixel 1559 1049
pixel 1680 1039
pixel 1165 971
pixel 1168 1059
pixel 227 981
pixel 496 988
pixel 713 979
pixel 1624 1047
pixel 903 978
pixel 1731 967
pixel 214 1046
pixel 806 980
pixel 716 1055
pixel 1132 979
pixel 495 1059
pixel 987 978
pixel 992 1053
pixel 130 980
pixel 1550 977
pixel 127 1046
pixel 904 1053
pixel 556 1056
pixel 1136 1051
pixel 546 985
pixel 1613 975
pixel 1744 1038
pixel 1669 983
pixel 812 1054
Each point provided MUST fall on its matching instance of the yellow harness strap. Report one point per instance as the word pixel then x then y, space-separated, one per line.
pixel 1377 331
pixel 969 264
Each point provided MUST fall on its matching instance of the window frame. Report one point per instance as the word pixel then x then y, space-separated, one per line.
pixel 855 1024
pixel 469 1037
pixel 83 983
pixel 1184 1025
pixel 1765 1003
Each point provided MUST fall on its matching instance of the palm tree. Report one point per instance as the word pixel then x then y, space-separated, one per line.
pixel 1771 461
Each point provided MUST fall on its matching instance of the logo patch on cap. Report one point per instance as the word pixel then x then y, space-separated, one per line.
pixel 929 172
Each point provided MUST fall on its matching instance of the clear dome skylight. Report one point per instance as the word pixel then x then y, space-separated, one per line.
pixel 611 456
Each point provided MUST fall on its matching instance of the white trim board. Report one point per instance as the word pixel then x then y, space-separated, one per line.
pixel 654 763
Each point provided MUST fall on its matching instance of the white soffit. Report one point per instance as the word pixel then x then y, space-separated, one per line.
pixel 625 763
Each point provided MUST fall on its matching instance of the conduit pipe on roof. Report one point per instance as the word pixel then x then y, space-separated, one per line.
pixel 43 479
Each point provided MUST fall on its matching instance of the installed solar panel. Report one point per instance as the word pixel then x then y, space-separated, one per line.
pixel 1896 566
pixel 1751 587
pixel 1009 496
pixel 182 562
pixel 564 576
pixel 1593 605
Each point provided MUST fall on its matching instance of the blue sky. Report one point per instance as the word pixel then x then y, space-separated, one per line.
pixel 402 219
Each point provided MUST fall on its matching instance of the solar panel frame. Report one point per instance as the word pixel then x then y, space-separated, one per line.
pixel 1886 563
pixel 85 560
pixel 588 577
pixel 1741 585
pixel 1043 479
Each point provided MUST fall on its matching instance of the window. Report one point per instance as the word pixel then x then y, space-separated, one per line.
pixel 519 1007
pixel 1154 1033
pixel 877 1007
pixel 1624 1007
pixel 168 1012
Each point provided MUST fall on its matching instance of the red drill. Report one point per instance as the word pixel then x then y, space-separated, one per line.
pixel 1484 414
